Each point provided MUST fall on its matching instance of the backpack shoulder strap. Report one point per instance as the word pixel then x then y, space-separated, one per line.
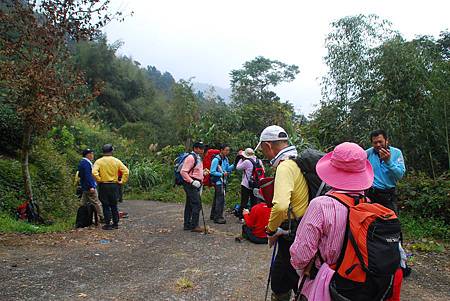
pixel 348 200
pixel 195 161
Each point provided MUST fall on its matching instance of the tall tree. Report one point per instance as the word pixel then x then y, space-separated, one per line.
pixel 253 82
pixel 185 112
pixel 36 66
pixel 255 102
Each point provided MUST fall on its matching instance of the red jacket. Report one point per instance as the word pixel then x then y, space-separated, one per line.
pixel 258 219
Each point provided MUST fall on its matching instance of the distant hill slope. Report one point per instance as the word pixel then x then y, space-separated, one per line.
pixel 224 93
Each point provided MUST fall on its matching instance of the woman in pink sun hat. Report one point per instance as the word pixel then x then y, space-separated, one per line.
pixel 346 168
pixel 322 228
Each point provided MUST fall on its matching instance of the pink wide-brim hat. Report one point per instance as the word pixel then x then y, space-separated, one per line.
pixel 346 168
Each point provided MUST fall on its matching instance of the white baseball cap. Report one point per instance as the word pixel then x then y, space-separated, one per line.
pixel 272 133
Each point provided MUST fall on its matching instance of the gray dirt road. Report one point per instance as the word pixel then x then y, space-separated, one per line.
pixel 151 258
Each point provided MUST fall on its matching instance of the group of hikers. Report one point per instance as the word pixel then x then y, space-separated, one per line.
pixel 340 240
pixel 333 226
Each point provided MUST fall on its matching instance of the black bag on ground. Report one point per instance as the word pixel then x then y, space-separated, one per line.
pixel 307 162
pixel 86 216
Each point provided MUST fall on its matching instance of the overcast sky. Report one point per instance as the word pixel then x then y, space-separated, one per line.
pixel 207 39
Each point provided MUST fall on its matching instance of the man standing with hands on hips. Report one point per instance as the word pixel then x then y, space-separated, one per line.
pixel 106 171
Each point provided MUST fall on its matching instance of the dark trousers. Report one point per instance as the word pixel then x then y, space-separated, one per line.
pixel 192 207
pixel 247 233
pixel 387 198
pixel 109 194
pixel 218 204
pixel 246 195
pixel 284 276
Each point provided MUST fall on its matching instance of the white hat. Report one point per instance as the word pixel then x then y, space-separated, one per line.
pixel 272 133
pixel 249 153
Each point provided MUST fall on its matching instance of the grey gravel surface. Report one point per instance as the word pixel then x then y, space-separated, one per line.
pixel 151 258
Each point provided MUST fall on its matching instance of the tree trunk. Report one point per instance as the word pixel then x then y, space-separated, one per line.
pixel 26 145
pixel 446 134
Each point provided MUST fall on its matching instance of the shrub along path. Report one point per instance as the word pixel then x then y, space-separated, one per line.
pixel 151 258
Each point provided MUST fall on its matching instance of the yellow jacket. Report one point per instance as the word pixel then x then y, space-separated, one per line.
pixel 106 170
pixel 290 187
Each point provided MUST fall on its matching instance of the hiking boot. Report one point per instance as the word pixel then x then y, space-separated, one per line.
pixel 220 221
pixel 198 230
pixel 187 228
pixel 281 297
pixel 107 227
pixel 115 226
pixel 406 271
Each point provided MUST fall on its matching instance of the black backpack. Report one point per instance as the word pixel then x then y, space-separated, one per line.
pixel 307 162
pixel 85 216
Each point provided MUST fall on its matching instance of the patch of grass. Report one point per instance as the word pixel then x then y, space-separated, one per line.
pixel 418 228
pixel 425 245
pixel 9 224
pixel 184 283
pixel 165 192
pixel 137 195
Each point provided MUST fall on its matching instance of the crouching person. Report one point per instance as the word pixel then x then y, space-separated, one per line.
pixel 106 171
pixel 192 173
pixel 256 220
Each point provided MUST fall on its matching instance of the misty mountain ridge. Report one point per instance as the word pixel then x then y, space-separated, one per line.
pixel 224 93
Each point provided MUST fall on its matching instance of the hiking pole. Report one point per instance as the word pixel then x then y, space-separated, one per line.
pixel 274 253
pixel 201 207
pixel 204 223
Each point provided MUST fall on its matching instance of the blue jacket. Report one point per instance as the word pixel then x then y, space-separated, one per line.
pixel 387 174
pixel 87 180
pixel 217 172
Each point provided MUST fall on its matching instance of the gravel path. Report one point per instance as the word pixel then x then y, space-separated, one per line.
pixel 151 258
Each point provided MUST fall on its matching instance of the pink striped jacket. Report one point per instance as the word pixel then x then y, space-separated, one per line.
pixel 321 228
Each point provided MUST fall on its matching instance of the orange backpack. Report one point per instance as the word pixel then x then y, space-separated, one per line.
pixel 370 253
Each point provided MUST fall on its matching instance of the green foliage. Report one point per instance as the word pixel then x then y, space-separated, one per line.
pixel 10 129
pixel 63 138
pixel 52 182
pixel 92 134
pixel 141 133
pixel 427 246
pixel 253 81
pixel 145 174
pixel 10 185
pixel 377 79
pixel 9 224
pixel 416 228
pixel 168 154
pixel 425 197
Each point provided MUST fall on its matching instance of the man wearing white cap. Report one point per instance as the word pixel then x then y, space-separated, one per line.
pixel 290 194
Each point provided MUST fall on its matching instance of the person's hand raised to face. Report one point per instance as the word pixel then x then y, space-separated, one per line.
pixel 385 154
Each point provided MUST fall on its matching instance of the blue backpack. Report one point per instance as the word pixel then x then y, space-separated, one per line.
pixel 179 165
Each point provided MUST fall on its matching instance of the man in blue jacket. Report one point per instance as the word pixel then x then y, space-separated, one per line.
pixel 88 183
pixel 220 170
pixel 389 167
